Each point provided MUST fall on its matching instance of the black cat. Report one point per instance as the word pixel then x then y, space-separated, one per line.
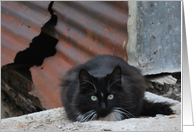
pixel 108 88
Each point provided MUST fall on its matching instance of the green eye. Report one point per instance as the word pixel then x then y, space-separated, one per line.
pixel 93 98
pixel 111 96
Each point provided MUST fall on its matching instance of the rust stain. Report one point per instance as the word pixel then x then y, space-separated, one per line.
pixel 5 59
pixel 7 12
pixel 90 34
pixel 10 19
pixel 106 26
pixel 155 51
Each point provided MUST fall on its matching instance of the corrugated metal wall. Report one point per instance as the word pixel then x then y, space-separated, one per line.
pixel 85 29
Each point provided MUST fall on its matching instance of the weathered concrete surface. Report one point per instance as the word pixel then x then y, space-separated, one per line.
pixel 55 119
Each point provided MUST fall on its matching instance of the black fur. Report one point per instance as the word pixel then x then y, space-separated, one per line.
pixel 107 76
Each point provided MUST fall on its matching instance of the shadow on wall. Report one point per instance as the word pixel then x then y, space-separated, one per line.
pixel 16 77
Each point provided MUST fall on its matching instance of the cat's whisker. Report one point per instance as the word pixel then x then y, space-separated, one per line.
pixel 92 85
pixel 89 89
pixel 94 116
pixel 89 116
pixel 81 119
pixel 79 116
pixel 123 111
pixel 128 113
pixel 86 116
pixel 108 87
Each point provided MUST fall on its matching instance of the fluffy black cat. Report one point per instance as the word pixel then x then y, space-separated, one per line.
pixel 108 88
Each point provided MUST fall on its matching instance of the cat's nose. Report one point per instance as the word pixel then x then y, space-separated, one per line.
pixel 103 106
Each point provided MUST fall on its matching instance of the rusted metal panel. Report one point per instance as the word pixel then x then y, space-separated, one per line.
pixel 85 29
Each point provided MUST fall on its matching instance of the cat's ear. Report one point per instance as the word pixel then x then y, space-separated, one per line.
pixel 116 74
pixel 84 76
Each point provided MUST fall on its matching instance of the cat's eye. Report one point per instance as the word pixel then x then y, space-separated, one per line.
pixel 111 96
pixel 93 98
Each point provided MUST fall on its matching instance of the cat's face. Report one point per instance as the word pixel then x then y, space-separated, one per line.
pixel 99 97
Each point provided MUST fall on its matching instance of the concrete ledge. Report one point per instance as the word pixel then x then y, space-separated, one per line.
pixel 55 119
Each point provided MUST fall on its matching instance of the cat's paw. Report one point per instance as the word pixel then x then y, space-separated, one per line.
pixel 169 111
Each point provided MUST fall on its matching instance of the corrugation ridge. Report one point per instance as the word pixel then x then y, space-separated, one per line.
pixel 68 46
pixel 35 22
pixel 72 52
pixel 122 5
pixel 5 59
pixel 76 44
pixel 40 7
pixel 95 23
pixel 92 50
pixel 17 30
pixel 6 40
pixel 56 61
pixel 87 9
pixel 90 46
pixel 67 58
